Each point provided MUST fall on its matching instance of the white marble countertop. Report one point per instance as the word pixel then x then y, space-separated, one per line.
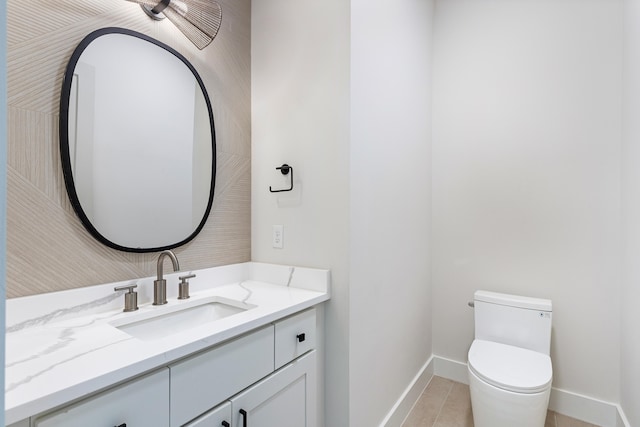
pixel 63 346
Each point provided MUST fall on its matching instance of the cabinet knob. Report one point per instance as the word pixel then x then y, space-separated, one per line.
pixel 244 417
pixel 225 424
pixel 301 337
pixel 121 425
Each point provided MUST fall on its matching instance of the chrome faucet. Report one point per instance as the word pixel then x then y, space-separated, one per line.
pixel 160 284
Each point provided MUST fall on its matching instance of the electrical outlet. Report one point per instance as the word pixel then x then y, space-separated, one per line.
pixel 278 236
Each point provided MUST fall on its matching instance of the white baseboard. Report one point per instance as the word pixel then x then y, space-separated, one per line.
pixel 450 369
pixel 621 418
pixel 565 402
pixel 403 406
pixel 585 408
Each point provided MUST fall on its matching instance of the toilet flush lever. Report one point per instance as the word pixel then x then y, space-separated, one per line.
pixel 471 304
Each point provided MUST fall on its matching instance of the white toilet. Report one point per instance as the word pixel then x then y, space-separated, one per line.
pixel 509 365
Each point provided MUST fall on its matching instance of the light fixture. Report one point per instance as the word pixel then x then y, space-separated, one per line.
pixel 199 20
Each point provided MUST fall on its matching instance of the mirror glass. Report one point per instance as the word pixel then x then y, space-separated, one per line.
pixel 137 142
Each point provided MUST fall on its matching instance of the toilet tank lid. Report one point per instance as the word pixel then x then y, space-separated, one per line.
pixel 513 300
pixel 510 368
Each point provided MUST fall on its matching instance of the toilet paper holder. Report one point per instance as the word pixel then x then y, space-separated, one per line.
pixel 284 169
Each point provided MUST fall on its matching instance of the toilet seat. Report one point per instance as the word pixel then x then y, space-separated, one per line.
pixel 510 368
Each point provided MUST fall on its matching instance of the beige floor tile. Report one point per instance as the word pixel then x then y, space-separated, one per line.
pixel 439 387
pixel 564 421
pixel 551 419
pixel 428 406
pixel 456 411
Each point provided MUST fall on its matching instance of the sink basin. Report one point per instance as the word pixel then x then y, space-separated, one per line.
pixel 172 320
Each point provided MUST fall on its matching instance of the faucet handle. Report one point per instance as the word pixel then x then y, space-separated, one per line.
pixel 183 286
pixel 130 298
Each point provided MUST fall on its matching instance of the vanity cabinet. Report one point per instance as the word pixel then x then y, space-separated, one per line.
pixel 141 402
pixel 282 398
pixel 264 378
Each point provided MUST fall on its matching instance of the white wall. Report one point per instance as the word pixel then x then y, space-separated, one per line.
pixel 300 116
pixel 526 175
pixel 347 212
pixel 630 339
pixel 390 149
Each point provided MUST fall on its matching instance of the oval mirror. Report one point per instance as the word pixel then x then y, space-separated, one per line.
pixel 137 142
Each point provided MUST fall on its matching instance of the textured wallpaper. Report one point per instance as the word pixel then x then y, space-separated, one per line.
pixel 48 249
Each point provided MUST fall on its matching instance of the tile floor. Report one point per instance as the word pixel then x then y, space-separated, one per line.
pixel 446 403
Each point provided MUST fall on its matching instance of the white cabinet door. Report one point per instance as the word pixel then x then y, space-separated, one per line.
pixel 142 402
pixel 286 398
pixel 218 417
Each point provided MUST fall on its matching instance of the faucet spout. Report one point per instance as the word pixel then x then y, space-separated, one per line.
pixel 174 261
pixel 160 284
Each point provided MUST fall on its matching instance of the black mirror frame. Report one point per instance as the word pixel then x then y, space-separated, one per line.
pixel 64 138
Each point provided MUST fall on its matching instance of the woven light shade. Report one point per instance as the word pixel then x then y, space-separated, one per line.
pixel 199 20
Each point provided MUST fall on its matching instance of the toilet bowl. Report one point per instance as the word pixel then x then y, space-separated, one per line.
pixel 509 367
pixel 509 386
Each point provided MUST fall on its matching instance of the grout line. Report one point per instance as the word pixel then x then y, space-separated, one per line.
pixel 444 401
pixel 415 404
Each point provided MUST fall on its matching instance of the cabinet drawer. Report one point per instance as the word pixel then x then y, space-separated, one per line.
pixel 295 336
pixel 203 381
pixel 141 402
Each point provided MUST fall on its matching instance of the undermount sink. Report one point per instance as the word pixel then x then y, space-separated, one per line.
pixel 172 320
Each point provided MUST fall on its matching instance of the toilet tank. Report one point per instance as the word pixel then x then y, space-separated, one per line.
pixel 515 320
